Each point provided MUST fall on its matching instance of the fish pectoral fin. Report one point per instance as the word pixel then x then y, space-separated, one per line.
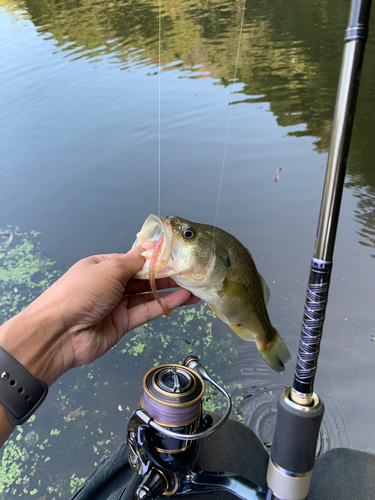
pixel 218 313
pixel 244 334
pixel 266 290
pixel 232 288
pixel 241 332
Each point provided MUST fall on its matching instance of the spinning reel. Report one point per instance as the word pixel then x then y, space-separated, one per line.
pixel 165 435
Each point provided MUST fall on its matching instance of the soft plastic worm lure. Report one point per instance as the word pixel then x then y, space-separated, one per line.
pixel 153 260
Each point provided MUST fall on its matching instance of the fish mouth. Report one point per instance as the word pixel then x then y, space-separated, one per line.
pixel 153 228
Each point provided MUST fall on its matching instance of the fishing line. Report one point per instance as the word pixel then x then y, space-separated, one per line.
pixel 229 118
pixel 159 140
pixel 228 125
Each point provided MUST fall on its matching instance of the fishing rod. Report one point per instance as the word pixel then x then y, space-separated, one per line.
pixel 300 410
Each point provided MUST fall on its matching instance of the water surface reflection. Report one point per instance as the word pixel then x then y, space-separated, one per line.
pixel 79 123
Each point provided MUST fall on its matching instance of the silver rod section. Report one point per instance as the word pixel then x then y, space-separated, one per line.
pixel 339 148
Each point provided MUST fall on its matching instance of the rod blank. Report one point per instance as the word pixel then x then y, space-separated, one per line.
pixel 318 285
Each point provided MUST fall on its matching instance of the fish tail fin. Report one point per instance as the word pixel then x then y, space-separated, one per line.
pixel 275 353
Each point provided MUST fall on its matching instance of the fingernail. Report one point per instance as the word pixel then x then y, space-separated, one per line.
pixel 147 245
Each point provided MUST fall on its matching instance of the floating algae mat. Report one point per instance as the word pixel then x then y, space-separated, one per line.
pixel 87 410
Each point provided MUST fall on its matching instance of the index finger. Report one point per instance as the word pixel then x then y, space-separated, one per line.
pixel 141 286
pixel 147 311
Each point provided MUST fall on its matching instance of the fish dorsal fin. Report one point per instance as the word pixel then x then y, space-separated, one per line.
pixel 266 290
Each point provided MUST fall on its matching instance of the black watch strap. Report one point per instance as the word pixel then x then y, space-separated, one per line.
pixel 20 392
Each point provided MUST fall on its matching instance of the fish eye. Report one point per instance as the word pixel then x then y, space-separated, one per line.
pixel 188 233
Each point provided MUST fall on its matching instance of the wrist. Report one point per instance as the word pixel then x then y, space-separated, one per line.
pixel 6 428
pixel 34 337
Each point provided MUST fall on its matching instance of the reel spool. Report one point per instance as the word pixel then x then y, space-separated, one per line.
pixel 173 398
pixel 164 435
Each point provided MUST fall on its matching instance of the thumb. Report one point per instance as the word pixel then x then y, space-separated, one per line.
pixel 133 261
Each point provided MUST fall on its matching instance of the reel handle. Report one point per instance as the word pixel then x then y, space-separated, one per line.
pixel 153 484
pixel 208 482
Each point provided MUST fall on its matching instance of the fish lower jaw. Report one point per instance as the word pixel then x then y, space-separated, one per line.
pixel 144 274
pixel 197 281
pixel 141 275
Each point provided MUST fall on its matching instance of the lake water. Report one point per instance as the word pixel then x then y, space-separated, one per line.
pixel 80 90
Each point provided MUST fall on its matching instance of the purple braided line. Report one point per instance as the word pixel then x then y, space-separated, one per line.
pixel 316 299
pixel 168 414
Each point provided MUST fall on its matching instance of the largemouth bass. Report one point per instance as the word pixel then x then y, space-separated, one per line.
pixel 217 268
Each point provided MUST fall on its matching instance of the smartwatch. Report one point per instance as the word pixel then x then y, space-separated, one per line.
pixel 20 392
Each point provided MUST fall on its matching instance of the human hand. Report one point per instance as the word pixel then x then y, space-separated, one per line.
pixel 85 313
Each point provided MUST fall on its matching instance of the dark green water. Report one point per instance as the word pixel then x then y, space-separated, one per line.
pixel 79 130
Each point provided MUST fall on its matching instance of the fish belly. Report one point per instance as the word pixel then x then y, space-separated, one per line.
pixel 248 318
pixel 268 341
pixel 233 307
